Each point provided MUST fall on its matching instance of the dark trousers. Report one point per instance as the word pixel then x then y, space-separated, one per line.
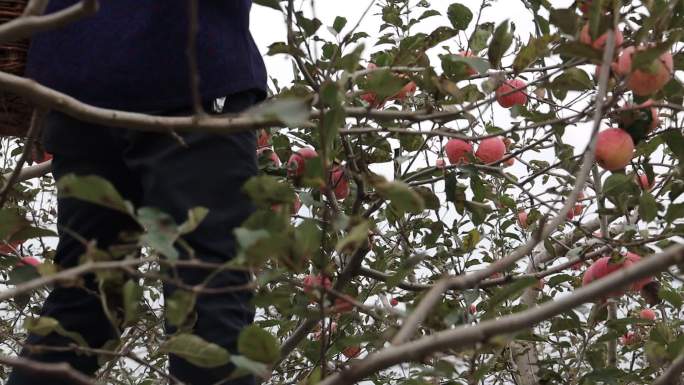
pixel 151 170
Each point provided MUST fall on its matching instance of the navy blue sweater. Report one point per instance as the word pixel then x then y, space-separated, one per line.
pixel 132 54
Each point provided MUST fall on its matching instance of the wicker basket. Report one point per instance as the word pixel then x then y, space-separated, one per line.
pixel 15 112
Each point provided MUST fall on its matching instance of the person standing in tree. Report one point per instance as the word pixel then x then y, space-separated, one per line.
pixel 131 55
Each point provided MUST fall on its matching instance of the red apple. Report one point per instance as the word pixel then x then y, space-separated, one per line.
pixel 629 338
pixel 296 205
pixel 508 99
pixel 339 182
pixel 649 80
pixel 577 210
pixel 614 149
pixel 643 181
pixel 315 282
pixel 297 163
pixel 371 97
pixel 600 42
pixel 605 265
pixel 268 152
pixel 471 70
pixel 472 308
pixel 31 261
pixel 522 219
pixel 577 266
pixel 9 248
pixel 570 214
pixel 406 91
pixel 42 158
pixel 647 314
pixel 394 302
pixel 599 269
pixel 630 259
pixel 342 306
pixel 456 150
pixel 584 5
pixel 263 138
pixel 491 150
pixel 352 351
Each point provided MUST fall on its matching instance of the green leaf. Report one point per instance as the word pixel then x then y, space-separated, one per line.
pixel 578 50
pixel 179 305
pixel 674 211
pixel 535 49
pixel 671 296
pixel 511 291
pixel 560 324
pixel 195 216
pixel 46 325
pixel 675 141
pixel 256 368
pixel 309 26
pixel 402 196
pixel 259 345
pixel 132 294
pixel 15 227
pixel 429 197
pixel 459 15
pixel 196 350
pixel 292 112
pixel 615 183
pixel 565 19
pixel 500 43
pixel 456 65
pixel 266 190
pixel 644 59
pixel 268 3
pixel 161 231
pixel 478 40
pixel 339 23
pixel 648 208
pixel 384 84
pixel 356 237
pixel 93 189
pixel 573 79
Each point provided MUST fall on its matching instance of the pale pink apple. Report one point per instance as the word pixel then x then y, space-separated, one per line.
pixel 614 149
pixel 507 97
pixel 600 42
pixel 649 80
pixel 457 150
pixel 491 150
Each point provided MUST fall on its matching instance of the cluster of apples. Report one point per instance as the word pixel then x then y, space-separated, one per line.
pixel 490 150
pixel 375 102
pixel 313 285
pixel 337 177
pixel 603 266
pixel 615 147
pixel 265 151
pixel 631 337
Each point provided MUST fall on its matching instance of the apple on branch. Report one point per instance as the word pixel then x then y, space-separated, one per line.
pixel 508 98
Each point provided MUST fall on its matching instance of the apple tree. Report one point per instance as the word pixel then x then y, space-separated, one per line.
pixel 442 199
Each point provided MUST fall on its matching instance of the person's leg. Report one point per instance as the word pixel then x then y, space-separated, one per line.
pixel 209 172
pixel 77 309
